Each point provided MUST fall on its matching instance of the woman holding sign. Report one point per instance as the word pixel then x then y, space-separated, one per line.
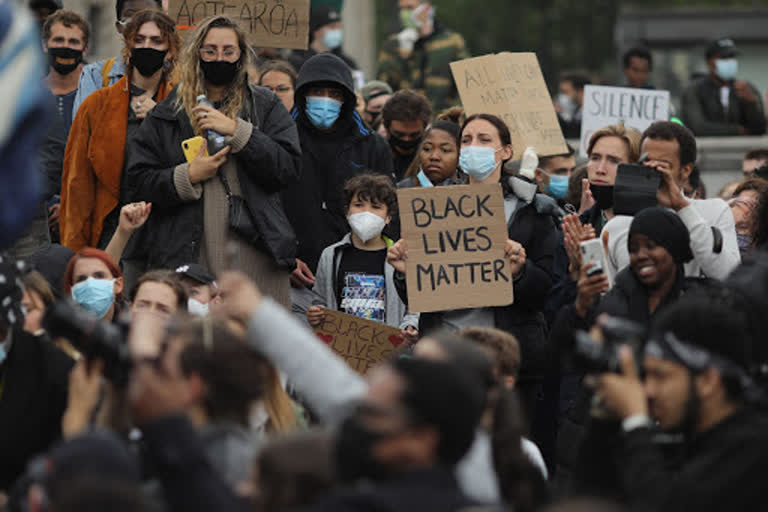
pixel 486 144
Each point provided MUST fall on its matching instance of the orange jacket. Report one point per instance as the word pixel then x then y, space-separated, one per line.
pixel 93 163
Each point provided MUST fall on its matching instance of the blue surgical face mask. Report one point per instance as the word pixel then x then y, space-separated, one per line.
pixel 727 68
pixel 3 352
pixel 558 186
pixel 323 112
pixel 333 38
pixel 95 295
pixel 478 161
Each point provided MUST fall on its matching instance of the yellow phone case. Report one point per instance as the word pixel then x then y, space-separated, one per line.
pixel 191 147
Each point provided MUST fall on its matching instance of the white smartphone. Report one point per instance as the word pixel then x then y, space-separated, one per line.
pixel 592 252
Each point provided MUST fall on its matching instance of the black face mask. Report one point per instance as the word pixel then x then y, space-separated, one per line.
pixel 354 457
pixel 147 60
pixel 603 195
pixel 406 146
pixel 219 72
pixel 64 60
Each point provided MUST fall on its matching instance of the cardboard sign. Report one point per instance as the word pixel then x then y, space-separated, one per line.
pixel 511 86
pixel 266 23
pixel 637 108
pixel 456 238
pixel 362 343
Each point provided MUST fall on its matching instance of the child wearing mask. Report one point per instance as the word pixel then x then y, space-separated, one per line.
pixel 353 276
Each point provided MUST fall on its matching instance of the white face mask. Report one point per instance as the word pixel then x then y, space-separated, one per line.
pixel 366 225
pixel 567 105
pixel 197 308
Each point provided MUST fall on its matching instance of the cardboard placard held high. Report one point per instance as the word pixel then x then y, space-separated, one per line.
pixel 512 87
pixel 266 23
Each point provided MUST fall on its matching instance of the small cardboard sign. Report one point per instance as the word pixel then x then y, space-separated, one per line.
pixel 511 86
pixel 456 237
pixel 266 23
pixel 362 343
pixel 637 108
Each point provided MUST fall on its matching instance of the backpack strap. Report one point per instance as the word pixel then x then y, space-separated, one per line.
pixel 105 71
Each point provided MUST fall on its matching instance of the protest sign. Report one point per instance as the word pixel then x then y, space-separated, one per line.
pixel 637 108
pixel 362 343
pixel 456 237
pixel 266 23
pixel 511 86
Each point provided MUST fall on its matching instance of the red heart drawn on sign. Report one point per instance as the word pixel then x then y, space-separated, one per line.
pixel 327 338
pixel 395 340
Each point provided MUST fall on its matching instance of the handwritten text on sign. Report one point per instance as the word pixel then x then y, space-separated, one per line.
pixel 511 86
pixel 362 343
pixel 455 238
pixel 266 23
pixel 636 108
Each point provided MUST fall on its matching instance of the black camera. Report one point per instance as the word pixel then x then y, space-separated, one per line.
pixel 593 356
pixel 93 338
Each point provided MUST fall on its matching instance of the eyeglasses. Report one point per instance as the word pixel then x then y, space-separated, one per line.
pixel 210 53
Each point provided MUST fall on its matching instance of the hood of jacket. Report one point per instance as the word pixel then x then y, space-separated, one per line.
pixel 326 67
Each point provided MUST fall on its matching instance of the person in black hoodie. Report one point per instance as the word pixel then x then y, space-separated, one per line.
pixel 33 382
pixel 336 145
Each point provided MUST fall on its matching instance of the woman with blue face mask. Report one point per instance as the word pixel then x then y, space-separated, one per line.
pixel 486 144
pixel 95 283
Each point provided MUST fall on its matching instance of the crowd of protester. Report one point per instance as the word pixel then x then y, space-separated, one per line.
pixel 158 294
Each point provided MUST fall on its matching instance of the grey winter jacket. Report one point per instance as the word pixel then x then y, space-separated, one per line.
pixel 325 285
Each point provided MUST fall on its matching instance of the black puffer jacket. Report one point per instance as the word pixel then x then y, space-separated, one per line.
pixel 315 206
pixel 269 162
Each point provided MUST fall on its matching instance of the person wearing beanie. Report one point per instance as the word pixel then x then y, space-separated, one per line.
pixel 325 36
pixel 658 246
pixel 375 95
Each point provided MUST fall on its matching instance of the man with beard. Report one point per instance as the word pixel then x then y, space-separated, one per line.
pixel 405 116
pixel 697 385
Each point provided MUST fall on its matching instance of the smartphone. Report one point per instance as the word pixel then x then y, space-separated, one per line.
pixel 636 188
pixel 592 252
pixel 191 147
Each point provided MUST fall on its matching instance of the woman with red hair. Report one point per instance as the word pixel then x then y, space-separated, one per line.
pixel 95 283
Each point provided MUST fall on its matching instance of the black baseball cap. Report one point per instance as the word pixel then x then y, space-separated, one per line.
pixel 322 16
pixel 723 47
pixel 196 272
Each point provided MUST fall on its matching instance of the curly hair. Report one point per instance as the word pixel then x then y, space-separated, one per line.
pixel 376 188
pixel 191 84
pixel 167 29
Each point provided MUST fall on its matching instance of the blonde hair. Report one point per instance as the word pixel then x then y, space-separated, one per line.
pixel 191 75
pixel 629 135
pixel 279 406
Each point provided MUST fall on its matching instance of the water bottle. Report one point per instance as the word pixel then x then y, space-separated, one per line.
pixel 216 140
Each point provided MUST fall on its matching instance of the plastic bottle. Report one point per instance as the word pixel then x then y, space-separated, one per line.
pixel 216 140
